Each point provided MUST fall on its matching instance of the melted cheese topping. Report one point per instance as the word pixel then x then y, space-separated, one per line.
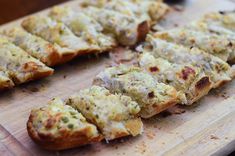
pixel 140 86
pixel 217 45
pixel 226 20
pixel 214 67
pixel 211 28
pixel 83 26
pixel 125 28
pixel 56 32
pixel 108 111
pixel 143 10
pixel 57 118
pixel 182 77
pixel 35 46
pixel 20 64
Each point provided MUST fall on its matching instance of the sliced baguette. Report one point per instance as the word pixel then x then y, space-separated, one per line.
pixel 58 126
pixel 127 30
pixel 20 65
pixel 143 10
pixel 222 19
pixel 153 97
pixel 56 32
pixel 115 115
pixel 219 46
pixel 48 53
pixel 185 78
pixel 218 70
pixel 83 26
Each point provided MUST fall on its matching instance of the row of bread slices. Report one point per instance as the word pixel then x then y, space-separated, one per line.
pixel 167 74
pixel 49 40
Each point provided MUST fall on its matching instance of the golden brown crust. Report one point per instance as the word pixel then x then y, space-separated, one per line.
pixel 134 126
pixel 158 108
pixel 64 142
pixel 33 73
pixel 202 87
pixel 143 29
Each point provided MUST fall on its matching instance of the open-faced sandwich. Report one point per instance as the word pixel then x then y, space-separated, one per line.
pixel 58 126
pixel 19 64
pixel 153 97
pixel 191 81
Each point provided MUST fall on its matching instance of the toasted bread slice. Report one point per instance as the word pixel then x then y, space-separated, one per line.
pixel 222 19
pixel 153 97
pixel 143 10
pixel 48 53
pixel 211 28
pixel 58 126
pixel 185 78
pixel 218 70
pixel 127 30
pixel 83 26
pixel 21 66
pixel 114 114
pixel 219 46
pixel 56 32
pixel 5 80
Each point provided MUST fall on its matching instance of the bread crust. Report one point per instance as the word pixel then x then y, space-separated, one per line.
pixel 143 29
pixel 49 142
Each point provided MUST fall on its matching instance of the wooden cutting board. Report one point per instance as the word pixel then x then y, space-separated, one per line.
pixel 207 127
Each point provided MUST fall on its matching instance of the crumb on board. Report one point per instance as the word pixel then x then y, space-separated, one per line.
pixel 214 137
pixel 142 147
pixel 150 135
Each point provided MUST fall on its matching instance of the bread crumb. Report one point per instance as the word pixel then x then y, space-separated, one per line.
pixel 214 137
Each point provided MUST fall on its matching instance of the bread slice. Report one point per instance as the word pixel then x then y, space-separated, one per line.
pixel 143 10
pixel 115 115
pixel 218 70
pixel 213 28
pixel 58 126
pixel 222 19
pixel 48 53
pixel 153 97
pixel 83 26
pixel 127 30
pixel 185 78
pixel 5 80
pixel 21 66
pixel 56 32
pixel 219 46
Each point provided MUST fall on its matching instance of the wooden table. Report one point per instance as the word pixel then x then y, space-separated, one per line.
pixel 205 128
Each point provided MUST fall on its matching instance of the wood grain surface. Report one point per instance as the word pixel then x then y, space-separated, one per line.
pixel 205 128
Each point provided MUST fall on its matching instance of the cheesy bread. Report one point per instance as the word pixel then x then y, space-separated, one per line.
pixel 222 19
pixel 127 30
pixel 56 32
pixel 58 126
pixel 115 115
pixel 219 46
pixel 141 9
pixel 48 53
pixel 185 78
pixel 83 26
pixel 218 70
pixel 21 66
pixel 153 97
